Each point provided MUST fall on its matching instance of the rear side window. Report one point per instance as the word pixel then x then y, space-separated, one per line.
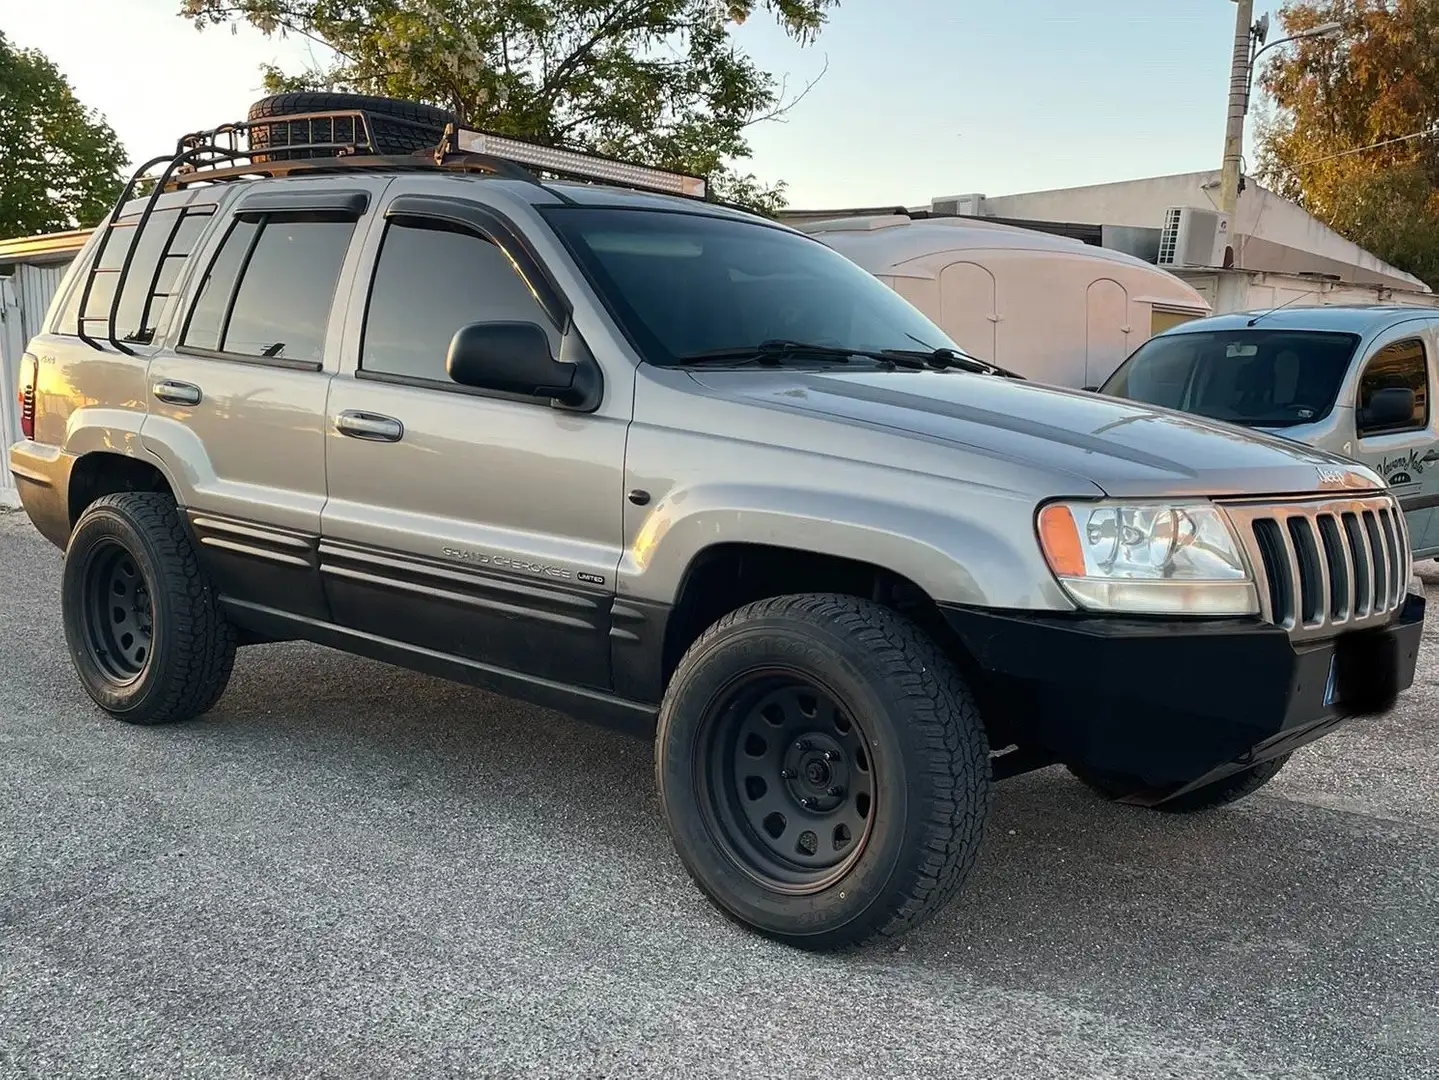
pixel 169 238
pixel 269 290
pixel 1401 365
pixel 430 281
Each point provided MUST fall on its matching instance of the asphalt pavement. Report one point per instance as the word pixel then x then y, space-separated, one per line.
pixel 346 870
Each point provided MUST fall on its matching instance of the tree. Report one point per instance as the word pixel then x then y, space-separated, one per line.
pixel 59 161
pixel 659 81
pixel 1355 134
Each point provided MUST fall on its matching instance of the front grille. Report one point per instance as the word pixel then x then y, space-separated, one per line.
pixel 1328 564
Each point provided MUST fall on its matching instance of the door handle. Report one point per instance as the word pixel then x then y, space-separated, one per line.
pixel 370 426
pixel 176 393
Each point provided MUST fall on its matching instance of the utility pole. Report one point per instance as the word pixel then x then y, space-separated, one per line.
pixel 1238 106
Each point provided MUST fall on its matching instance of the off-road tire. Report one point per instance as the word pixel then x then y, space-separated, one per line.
pixel 1232 788
pixel 396 127
pixel 192 645
pixel 928 752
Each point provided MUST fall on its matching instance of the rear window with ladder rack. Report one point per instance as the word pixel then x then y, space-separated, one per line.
pixel 170 237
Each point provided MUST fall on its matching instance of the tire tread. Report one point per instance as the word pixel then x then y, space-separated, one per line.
pixel 201 643
pixel 948 735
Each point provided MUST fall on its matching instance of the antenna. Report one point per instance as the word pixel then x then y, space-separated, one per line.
pixel 1281 307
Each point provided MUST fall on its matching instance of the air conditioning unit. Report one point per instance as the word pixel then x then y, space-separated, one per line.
pixel 1193 236
pixel 971 205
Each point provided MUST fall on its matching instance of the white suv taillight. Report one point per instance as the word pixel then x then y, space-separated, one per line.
pixel 29 373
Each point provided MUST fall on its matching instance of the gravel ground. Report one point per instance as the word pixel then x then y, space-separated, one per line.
pixel 347 870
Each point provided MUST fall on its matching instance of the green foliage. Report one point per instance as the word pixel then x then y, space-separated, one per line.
pixel 1336 101
pixel 659 81
pixel 59 161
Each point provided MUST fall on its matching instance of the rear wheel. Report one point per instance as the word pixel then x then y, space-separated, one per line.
pixel 823 770
pixel 142 621
pixel 1220 793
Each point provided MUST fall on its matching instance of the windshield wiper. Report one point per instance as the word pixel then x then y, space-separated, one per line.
pixel 939 359
pixel 775 352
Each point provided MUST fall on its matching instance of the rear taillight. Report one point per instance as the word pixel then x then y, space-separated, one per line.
pixel 29 372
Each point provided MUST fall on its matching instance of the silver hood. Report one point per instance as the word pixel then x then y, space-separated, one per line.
pixel 1125 448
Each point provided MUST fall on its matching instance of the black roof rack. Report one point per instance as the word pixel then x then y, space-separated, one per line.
pixel 217 156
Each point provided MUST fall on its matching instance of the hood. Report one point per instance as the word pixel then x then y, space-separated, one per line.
pixel 1126 448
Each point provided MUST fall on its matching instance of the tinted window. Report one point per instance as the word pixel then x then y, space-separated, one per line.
pixel 430 281
pixel 1258 378
pixel 282 305
pixel 1400 365
pixel 208 314
pixel 142 274
pixel 687 283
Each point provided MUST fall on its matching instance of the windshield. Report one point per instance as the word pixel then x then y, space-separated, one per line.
pixel 1257 378
pixel 685 284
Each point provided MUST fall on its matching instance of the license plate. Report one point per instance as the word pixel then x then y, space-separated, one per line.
pixel 1331 686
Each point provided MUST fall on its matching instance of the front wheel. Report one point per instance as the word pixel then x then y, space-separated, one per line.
pixel 142 621
pixel 823 770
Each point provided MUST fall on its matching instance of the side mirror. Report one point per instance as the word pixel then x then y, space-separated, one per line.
pixel 512 358
pixel 1389 407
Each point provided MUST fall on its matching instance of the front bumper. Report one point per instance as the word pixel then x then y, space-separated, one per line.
pixel 1177 705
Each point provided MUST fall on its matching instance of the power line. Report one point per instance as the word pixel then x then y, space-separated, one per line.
pixel 1371 146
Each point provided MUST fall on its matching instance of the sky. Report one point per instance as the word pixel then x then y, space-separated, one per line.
pixel 918 98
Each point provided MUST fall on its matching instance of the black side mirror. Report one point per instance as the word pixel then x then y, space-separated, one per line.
pixel 512 358
pixel 1390 407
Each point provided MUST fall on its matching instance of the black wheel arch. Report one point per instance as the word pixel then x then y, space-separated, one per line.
pixel 105 472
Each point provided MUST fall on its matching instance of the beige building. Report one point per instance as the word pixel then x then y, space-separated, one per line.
pixel 1280 252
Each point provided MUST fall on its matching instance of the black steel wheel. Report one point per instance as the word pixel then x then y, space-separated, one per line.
pixel 789 789
pixel 143 623
pixel 119 618
pixel 823 770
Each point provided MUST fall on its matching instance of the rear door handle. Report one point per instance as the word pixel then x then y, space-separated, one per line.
pixel 371 426
pixel 176 393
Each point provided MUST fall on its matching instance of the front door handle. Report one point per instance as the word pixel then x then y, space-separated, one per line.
pixel 371 426
pixel 176 393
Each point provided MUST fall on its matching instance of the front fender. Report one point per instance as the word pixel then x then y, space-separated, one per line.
pixel 983 554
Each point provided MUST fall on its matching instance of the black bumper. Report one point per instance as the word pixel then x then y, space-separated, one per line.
pixel 1176 705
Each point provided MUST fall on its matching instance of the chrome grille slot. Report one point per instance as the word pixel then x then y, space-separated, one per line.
pixel 1327 564
pixel 1363 568
pixel 1336 561
pixel 1381 559
pixel 1396 562
pixel 1270 539
pixel 1313 583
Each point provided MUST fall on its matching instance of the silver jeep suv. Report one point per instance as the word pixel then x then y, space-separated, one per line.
pixel 662 464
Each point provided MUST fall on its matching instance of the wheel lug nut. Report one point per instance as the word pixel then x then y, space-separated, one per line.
pixel 802 745
pixel 829 755
pixel 808 804
pixel 836 791
pixel 786 774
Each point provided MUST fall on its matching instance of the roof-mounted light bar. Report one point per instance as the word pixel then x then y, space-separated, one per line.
pixel 586 166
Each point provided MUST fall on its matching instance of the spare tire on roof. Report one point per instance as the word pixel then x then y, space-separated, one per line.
pixel 395 126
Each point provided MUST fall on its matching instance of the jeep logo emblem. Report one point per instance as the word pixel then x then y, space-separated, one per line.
pixel 1333 478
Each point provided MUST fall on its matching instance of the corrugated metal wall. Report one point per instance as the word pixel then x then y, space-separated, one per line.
pixel 37 285
pixel 31 288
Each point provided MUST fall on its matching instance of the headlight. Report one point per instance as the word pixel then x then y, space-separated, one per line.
pixel 1147 558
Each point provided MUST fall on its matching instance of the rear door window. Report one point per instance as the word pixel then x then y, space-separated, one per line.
pixel 269 290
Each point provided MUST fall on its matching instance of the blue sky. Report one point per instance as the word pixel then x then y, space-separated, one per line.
pixel 921 97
